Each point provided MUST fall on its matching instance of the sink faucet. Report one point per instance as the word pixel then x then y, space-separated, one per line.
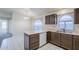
pixel 61 30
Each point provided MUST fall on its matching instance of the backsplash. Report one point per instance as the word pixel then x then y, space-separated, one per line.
pixel 76 28
pixel 51 27
pixel 54 28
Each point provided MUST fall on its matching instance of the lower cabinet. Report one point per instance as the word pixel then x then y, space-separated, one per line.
pixel 62 40
pixel 48 37
pixel 42 39
pixel 55 38
pixel 31 42
pixel 75 42
pixel 34 41
pixel 66 41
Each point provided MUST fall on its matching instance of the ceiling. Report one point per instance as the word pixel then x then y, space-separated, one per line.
pixel 27 11
pixel 39 11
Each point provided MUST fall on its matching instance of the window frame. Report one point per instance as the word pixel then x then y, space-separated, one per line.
pixel 37 25
pixel 59 16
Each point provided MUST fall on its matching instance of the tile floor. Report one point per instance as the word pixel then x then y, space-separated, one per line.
pixel 50 46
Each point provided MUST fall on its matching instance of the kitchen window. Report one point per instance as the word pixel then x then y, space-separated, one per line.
pixel 65 22
pixel 37 25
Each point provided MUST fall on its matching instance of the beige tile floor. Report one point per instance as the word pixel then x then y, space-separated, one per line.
pixel 50 46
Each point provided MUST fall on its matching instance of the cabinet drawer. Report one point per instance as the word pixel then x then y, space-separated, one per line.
pixel 34 36
pixel 34 45
pixel 57 35
pixel 67 36
pixel 33 40
pixel 76 37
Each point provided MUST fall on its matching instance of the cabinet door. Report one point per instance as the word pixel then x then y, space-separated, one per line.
pixel 52 18
pixel 48 37
pixel 66 41
pixel 76 13
pixel 34 46
pixel 76 42
pixel 47 19
pixel 52 37
pixel 55 38
pixel 42 40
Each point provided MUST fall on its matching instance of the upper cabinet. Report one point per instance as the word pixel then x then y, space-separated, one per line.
pixel 76 13
pixel 47 19
pixel 50 19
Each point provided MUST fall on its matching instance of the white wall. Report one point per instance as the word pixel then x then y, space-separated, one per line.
pixel 3 14
pixel 17 26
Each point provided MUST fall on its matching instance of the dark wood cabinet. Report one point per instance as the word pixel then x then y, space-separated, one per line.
pixel 76 42
pixel 52 37
pixel 47 19
pixel 76 16
pixel 66 41
pixel 55 38
pixel 50 19
pixel 53 18
pixel 31 42
pixel 48 37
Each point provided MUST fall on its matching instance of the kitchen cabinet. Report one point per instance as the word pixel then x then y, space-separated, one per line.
pixel 48 37
pixel 66 41
pixel 42 40
pixel 47 19
pixel 50 19
pixel 31 42
pixel 76 42
pixel 76 16
pixel 55 38
pixel 52 37
pixel 53 18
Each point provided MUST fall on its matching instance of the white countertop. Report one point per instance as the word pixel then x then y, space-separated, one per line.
pixel 33 32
